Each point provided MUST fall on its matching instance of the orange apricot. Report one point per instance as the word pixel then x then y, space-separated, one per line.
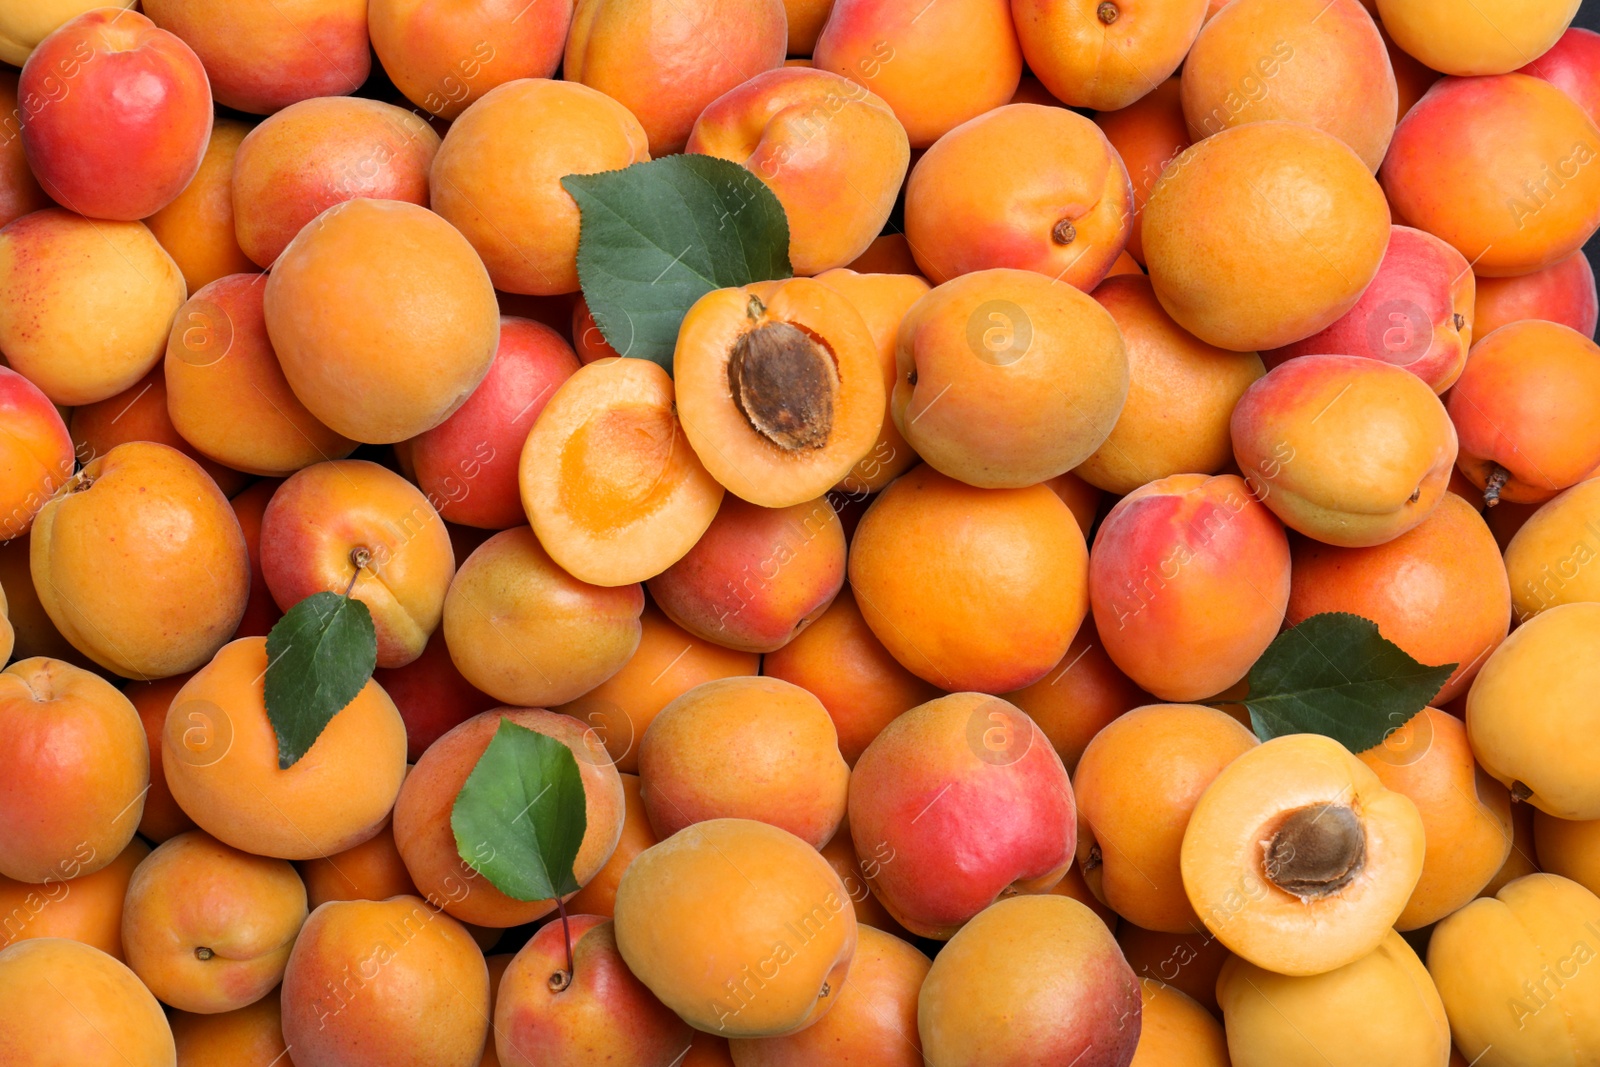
pixel 85 908
pixel 36 452
pixel 1563 292
pixel 372 870
pixel 162 817
pixel 599 894
pixel 1105 56
pixel 260 613
pixel 245 1037
pixel 1148 135
pixel 1188 962
pixel 1568 848
pixel 856 872
pixel 197 228
pixel 1460 37
pixel 1176 1031
pixel 1079 696
pixel 62 1002
pixel 19 189
pixel 1549 558
pixel 887 254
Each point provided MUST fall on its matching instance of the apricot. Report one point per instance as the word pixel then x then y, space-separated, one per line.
pixel 225 393
pixel 84 305
pixel 208 928
pixel 805 19
pixel 1417 313
pixel 969 802
pixel 1549 558
pixel 599 894
pixel 260 613
pixel 1502 962
pixel 1447 567
pixel 812 136
pixel 841 662
pixel 1571 65
pixel 467 465
pixel 779 388
pixel 19 189
pixel 1564 293
pixel 1061 205
pixel 1109 56
pixel 1188 962
pixel 1276 1020
pixel 968 588
pixel 34 633
pixel 1466 815
pixel 372 870
pixel 385 983
pixel 707 1050
pixel 22 28
pixel 874 1021
pixel 197 227
pixel 245 1037
pixel 547 1015
pixel 1318 227
pixel 97 148
pixel 840 852
pixel 758 576
pixel 703 917
pixel 1136 785
pixel 1525 411
pixel 1569 848
pixel 780 738
pixel 1174 1030
pixel 141 565
pixel 431 695
pixel 265 55
pixel 1514 200
pixel 383 319
pixel 528 633
pixel 445 54
pixel 1188 582
pixel 587 340
pixel 1412 78
pixel 162 818
pixel 1148 134
pixel 1181 392
pixel 220 755
pixel 1535 694
pixel 1320 63
pixel 1348 450
pixel 1523 859
pixel 502 188
pixel 36 453
pixel 887 254
pixel 86 908
pixel 139 413
pixel 1298 858
pixel 937 67
pixel 1079 696
pixel 1032 979
pixel 422 827
pixel 353 526
pixel 63 1002
pixel 608 480
pixel 1457 37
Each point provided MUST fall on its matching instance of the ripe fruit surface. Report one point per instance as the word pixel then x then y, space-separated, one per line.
pixel 1549 558
pixel 1105 56
pixel 63 1003
pixel 1457 37
pixel 82 907
pixel 36 453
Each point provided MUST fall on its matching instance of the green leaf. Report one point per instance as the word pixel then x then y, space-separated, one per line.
pixel 319 656
pixel 1335 674
pixel 521 814
pixel 657 236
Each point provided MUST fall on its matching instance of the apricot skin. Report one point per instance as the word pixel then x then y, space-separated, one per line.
pixel 197 228
pixel 1079 696
pixel 1563 292
pixel 37 453
pixel 63 1002
pixel 599 894
pixel 1550 559
pixel 1175 1030
pixel 1457 37
pixel 86 908
pixel 1086 59
pixel 19 189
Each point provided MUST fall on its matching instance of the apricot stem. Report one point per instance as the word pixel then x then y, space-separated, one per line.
pixel 1520 791
pixel 1108 12
pixel 360 559
pixel 1317 851
pixel 202 953
pixel 783 382
pixel 1064 232
pixel 1498 476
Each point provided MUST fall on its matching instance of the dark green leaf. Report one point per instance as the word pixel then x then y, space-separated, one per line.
pixel 658 236
pixel 319 656
pixel 1334 674
pixel 521 816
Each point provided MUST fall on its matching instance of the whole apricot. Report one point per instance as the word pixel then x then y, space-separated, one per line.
pixel 36 453
pixel 220 755
pixel 1550 559
pixel 1348 450
pixel 208 928
pixel 1148 135
pixel 422 816
pixel 244 1037
pixel 1188 962
pixel 1525 411
pixel 1079 696
pixel 1298 858
pixel 1136 785
pixel 22 28
pixel 197 228
pixel 385 984
pixel 63 1002
pixel 1459 37
pixel 1446 567
pixel 162 817
pixel 1033 979
pixel 1174 1030
pixel 1380 1008
pixel 1569 848
pixel 704 917
pixel 84 305
pixel 86 908
pixel 383 319
pixel 1536 693
pixel 812 137
pixel 1105 56
pixel 937 67
pixel 502 188
pixel 1061 205
pixel 1181 392
pixel 1563 292
pixel 1263 234
pixel 951 578
pixel 1515 192
pixel 528 633
pixel 372 870
pixel 599 894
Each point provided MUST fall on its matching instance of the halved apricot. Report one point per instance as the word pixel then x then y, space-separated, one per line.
pixel 610 484
pixel 1298 858
pixel 779 388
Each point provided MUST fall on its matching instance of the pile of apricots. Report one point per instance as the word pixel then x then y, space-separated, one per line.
pixel 899 629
